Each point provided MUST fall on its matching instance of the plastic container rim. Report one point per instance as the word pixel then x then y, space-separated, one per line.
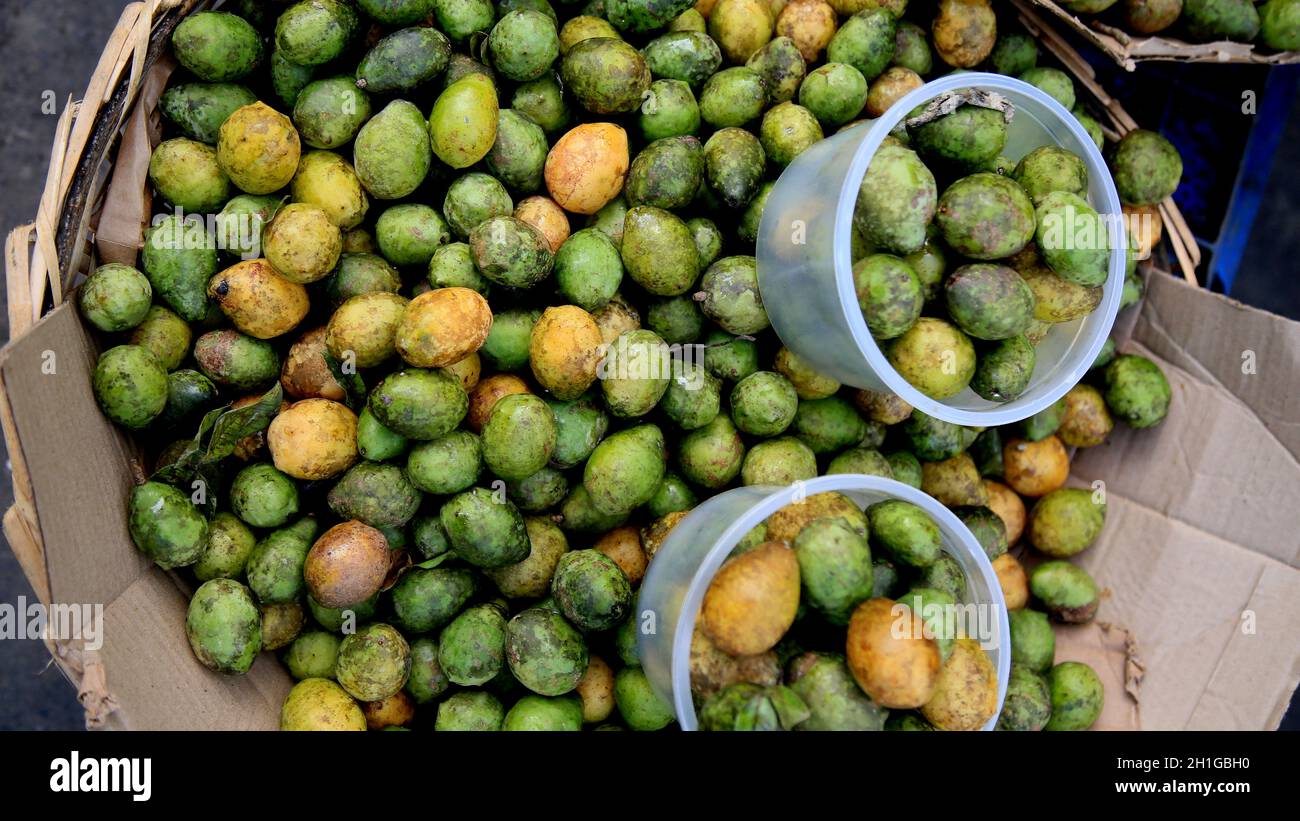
pixel 1109 208
pixel 778 498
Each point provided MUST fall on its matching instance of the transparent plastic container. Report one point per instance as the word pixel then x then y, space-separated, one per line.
pixel 684 565
pixel 805 272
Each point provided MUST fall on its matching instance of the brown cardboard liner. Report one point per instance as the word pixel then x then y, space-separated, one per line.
pixel 1200 543
pixel 1130 49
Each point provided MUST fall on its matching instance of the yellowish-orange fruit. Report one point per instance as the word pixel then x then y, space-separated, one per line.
pixel 586 167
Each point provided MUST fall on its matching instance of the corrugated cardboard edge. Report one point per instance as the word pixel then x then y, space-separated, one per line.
pixel 76 549
pixel 1128 50
pixel 1200 554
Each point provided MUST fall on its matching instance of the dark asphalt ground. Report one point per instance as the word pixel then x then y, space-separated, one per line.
pixel 53 45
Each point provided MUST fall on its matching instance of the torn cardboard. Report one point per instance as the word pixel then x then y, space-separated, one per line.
pixel 1130 49
pixel 1200 557
pixel 81 468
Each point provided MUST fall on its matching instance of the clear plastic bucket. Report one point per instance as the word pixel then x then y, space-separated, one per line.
pixel 684 565
pixel 805 271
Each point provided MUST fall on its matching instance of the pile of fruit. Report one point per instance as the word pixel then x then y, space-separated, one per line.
pixel 1274 24
pixel 424 395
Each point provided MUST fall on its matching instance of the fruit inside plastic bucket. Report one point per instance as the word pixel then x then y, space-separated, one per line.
pixel 805 272
pixel 684 565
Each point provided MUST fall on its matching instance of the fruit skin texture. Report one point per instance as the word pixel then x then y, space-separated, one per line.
pixel 1066 522
pixel 130 385
pixel 1146 166
pixel 374 662
pixel 1209 20
pixel 165 526
pixel 966 695
pixel 224 626
pixel 257 300
pixel 605 75
pixel 624 470
pixel 965 32
pixel 920 354
pixel 463 123
pixel 1035 468
pixel 188 174
pixel 217 46
pixel 590 590
pixel 897 200
pixel 258 149
pixel 313 439
pixel 752 601
pixel 1028 704
pixel 564 351
pixel 1137 391
pixel 443 326
pixel 302 243
pixel 896 672
pixel 403 60
pixel 1280 25
pixel 1077 696
pixel 986 216
pixel 585 168
pixel 320 704
pixel 392 152
pixel 346 565
pixel 1065 590
pixel 740 28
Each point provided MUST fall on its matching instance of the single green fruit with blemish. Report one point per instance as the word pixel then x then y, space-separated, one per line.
pixel 428 599
pixel 1073 239
pixel 889 293
pixel 779 462
pixel 472 649
pixel 391 153
pixel 403 60
pixel 217 46
pixel 896 201
pixel 989 301
pixel 906 531
pixel 115 297
pixel 1137 391
pixel 1077 696
pixel 634 373
pixel 625 469
pixel 834 567
pixel 1065 590
pixel 224 627
pixel 1146 166
pixel 263 497
pixel 519 436
pixel 986 216
pixel 375 493
pixel 165 525
pixel 764 404
pixel 1003 370
pixel 373 662
pixel 484 530
pixel 545 653
pixel 130 385
pixel 658 251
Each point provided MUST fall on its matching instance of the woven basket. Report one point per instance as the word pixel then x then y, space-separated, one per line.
pixel 68 238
